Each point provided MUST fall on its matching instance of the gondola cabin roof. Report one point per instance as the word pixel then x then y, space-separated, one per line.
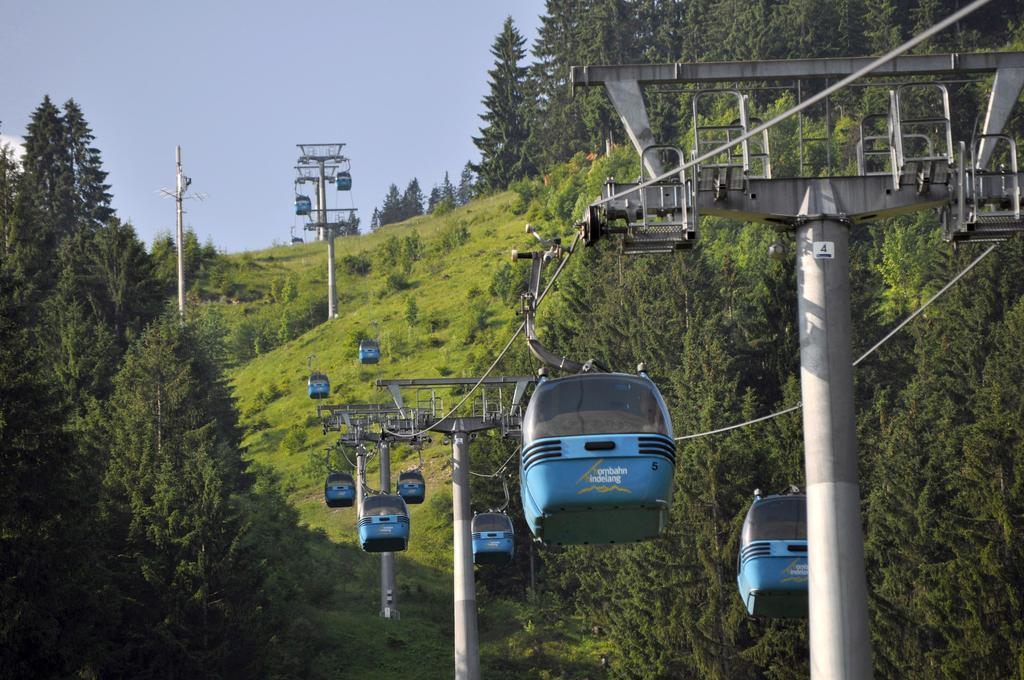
pixel 384 505
pixel 491 522
pixel 340 477
pixel 776 518
pixel 595 403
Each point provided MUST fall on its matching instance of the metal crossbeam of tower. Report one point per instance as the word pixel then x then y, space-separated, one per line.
pixel 662 214
pixel 315 162
pixel 462 429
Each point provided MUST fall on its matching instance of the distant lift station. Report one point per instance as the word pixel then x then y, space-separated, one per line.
pixel 493 538
pixel 339 490
pixel 384 524
pixel 772 566
pixel 597 459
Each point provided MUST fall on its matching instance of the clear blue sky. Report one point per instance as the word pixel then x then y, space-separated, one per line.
pixel 238 85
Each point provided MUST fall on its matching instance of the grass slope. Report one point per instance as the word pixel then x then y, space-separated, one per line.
pixel 458 322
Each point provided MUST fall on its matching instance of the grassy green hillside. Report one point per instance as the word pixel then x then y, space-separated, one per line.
pixel 450 311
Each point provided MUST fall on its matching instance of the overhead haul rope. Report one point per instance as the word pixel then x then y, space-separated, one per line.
pixel 500 469
pixel 508 345
pixel 859 359
pixel 884 59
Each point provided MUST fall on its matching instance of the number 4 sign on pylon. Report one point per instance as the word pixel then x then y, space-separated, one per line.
pixel 824 250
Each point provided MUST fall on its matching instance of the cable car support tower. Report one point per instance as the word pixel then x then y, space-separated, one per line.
pixel 485 413
pixel 907 162
pixel 356 423
pixel 315 163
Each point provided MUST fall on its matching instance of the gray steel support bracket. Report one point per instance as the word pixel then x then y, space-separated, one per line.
pixel 629 103
pixel 1006 90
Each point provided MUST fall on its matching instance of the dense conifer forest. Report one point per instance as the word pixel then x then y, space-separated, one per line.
pixel 159 509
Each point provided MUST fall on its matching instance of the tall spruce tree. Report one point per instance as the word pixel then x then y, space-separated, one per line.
pixel 106 292
pixel 91 196
pixel 50 588
pixel 188 595
pixel 503 139
pixel 434 198
pixel 391 207
pixel 412 200
pixel 42 211
pixel 467 183
pixel 447 190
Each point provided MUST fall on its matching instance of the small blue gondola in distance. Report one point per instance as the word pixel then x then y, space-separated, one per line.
pixel 384 524
pixel 597 459
pixel 412 487
pixel 369 352
pixel 493 538
pixel 343 181
pixel 319 386
pixel 772 565
pixel 303 206
pixel 339 490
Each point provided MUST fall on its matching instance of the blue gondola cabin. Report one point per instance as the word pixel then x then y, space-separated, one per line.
pixel 339 490
pixel 412 487
pixel 597 459
pixel 493 538
pixel 343 181
pixel 303 206
pixel 319 386
pixel 369 352
pixel 384 524
pixel 772 570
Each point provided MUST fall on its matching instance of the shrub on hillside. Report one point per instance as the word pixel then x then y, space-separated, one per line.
pixel 356 265
pixel 391 251
pixel 509 282
pixel 453 236
pixel 398 281
pixel 294 439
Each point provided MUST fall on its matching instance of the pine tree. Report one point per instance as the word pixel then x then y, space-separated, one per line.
pixel 49 169
pixel 503 139
pixel 391 208
pixel 49 620
pixel 42 211
pixel 91 199
pixel 412 200
pixel 106 293
pixel 188 597
pixel 61 189
pixel 467 185
pixel 433 199
pixel 571 33
pixel 881 31
pixel 447 191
